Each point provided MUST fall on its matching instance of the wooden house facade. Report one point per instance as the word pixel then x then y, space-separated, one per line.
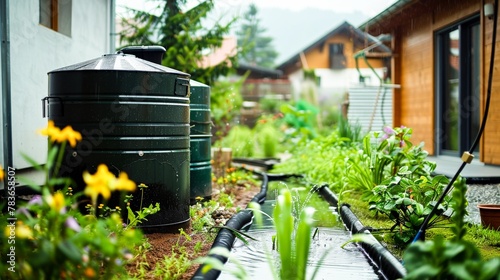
pixel 441 58
pixel 332 59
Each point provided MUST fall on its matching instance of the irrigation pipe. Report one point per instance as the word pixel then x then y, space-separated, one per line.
pixel 467 156
pixel 388 266
pixel 225 238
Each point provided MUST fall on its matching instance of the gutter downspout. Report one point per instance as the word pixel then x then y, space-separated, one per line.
pixel 112 26
pixel 6 90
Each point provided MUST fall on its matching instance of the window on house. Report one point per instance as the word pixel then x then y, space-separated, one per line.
pixel 457 87
pixel 337 57
pixel 56 15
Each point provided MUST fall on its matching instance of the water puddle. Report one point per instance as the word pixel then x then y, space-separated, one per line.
pixel 347 263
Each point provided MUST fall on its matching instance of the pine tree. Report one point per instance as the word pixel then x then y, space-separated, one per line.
pixel 259 50
pixel 183 36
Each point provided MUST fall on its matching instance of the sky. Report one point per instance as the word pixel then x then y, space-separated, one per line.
pixel 293 24
pixel 367 7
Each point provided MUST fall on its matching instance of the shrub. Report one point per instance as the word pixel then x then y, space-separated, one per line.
pixel 48 236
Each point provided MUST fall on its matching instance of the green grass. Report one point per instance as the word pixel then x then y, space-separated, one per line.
pixel 486 240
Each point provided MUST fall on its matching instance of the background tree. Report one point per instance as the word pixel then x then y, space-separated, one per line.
pixel 183 35
pixel 259 50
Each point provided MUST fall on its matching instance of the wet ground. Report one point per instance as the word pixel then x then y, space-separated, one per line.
pixel 258 257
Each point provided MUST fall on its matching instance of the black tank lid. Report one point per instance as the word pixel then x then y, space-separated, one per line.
pixel 119 62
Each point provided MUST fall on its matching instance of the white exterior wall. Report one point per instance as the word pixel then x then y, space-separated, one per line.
pixel 35 51
pixel 335 83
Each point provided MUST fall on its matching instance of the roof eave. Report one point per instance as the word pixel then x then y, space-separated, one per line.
pixel 397 6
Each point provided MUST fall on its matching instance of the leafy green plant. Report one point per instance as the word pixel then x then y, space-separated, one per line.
pixel 53 239
pixel 268 104
pixel 201 215
pixel 293 255
pixel 396 178
pixel 293 236
pixel 133 219
pixel 321 160
pixel 384 154
pixel 267 138
pixel 241 141
pixel 301 120
pixel 348 130
pixel 407 201
pixel 450 259
pixel 225 104
pixel 175 265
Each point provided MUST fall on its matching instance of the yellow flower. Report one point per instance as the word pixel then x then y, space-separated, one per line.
pixel 23 231
pixel 98 183
pixel 57 135
pixel 68 134
pixel 123 183
pixel 51 131
pixel 2 173
pixel 56 201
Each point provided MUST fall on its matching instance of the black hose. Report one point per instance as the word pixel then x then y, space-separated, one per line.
pixel 388 265
pixel 225 238
pixel 421 232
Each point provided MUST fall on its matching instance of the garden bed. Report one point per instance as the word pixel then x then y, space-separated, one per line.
pixel 191 245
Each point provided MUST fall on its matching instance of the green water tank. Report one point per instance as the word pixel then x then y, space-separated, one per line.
pixel 134 117
pixel 201 136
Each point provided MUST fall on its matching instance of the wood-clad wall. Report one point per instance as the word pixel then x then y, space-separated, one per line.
pixel 490 152
pixel 416 98
pixel 414 69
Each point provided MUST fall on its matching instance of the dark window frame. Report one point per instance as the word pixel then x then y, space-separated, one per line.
pixel 464 86
pixel 56 15
pixel 337 59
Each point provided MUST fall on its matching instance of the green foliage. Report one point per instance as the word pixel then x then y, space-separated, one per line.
pixel 51 239
pixel 293 236
pixel 270 105
pixel 183 35
pixel 225 104
pixel 258 49
pixel 397 182
pixel 321 160
pixel 301 121
pixel 261 141
pixel 347 130
pixel 268 136
pixel 383 156
pixel 408 201
pixel 241 140
pixel 450 259
pixel 175 265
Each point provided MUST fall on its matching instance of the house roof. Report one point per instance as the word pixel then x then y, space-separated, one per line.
pixel 358 37
pixel 219 55
pixel 398 12
pixel 258 72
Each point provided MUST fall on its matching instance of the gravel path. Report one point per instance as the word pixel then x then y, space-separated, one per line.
pixel 481 194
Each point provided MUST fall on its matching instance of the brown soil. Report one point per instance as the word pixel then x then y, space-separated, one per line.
pixel 167 244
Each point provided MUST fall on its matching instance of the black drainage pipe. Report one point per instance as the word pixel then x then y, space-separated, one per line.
pixel 225 238
pixel 387 264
